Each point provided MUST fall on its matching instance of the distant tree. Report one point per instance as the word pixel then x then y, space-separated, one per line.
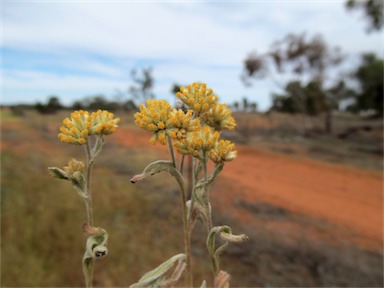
pixel 236 106
pixel 129 105
pixel 77 105
pixel 245 104
pixel 304 60
pixel 52 106
pixel 290 101
pixel 94 103
pixel 142 89
pixel 253 107
pixel 369 76
pixel 373 10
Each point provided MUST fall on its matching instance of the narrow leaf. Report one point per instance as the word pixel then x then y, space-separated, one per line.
pixel 58 173
pixel 157 167
pixel 155 274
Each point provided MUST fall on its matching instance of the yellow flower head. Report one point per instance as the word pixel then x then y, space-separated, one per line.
pixel 102 122
pixel 197 97
pixel 73 166
pixel 198 141
pixel 75 130
pixel 154 118
pixel 219 117
pixel 224 150
pixel 182 123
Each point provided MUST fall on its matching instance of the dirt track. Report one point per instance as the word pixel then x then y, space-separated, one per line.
pixel 348 197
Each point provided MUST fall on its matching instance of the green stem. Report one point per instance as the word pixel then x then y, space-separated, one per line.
pixel 88 200
pixel 89 207
pixel 187 238
pixel 186 229
pixel 181 167
pixel 186 226
pixel 193 183
pixel 205 171
pixel 170 147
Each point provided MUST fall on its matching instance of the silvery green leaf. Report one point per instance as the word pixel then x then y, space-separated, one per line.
pixel 58 173
pixel 98 147
pixel 204 284
pixel 96 247
pixel 155 275
pixel 157 167
pixel 200 190
pixel 181 265
pixel 78 183
pixel 225 234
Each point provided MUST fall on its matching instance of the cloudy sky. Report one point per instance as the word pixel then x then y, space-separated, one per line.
pixel 74 49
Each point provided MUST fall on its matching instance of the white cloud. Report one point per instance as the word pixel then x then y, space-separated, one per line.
pixel 183 41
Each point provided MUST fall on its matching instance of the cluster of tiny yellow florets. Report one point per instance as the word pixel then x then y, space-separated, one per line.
pixel 154 118
pixel 158 117
pixel 77 128
pixel 182 123
pixel 73 166
pixel 102 122
pixel 197 97
pixel 219 117
pixel 224 150
pixel 202 140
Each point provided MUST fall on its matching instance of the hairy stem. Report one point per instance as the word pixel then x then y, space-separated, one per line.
pixel 88 200
pixel 186 226
pixel 170 147
pixel 88 206
pixel 205 171
pixel 187 238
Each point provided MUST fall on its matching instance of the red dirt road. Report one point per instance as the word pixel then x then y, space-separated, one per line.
pixel 345 196
pixel 348 197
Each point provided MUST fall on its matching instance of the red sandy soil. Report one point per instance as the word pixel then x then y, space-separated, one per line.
pixel 347 197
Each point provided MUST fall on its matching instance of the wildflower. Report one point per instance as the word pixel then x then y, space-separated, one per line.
pixel 182 123
pixel 197 97
pixel 224 150
pixel 102 122
pixel 154 118
pixel 219 117
pixel 74 166
pixel 198 141
pixel 75 130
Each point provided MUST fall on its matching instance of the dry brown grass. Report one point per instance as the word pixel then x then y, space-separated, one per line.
pixel 41 218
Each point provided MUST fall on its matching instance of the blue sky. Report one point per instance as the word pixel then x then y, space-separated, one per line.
pixel 74 49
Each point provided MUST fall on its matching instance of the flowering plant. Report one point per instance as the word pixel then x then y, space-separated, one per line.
pixel 196 134
pixel 79 129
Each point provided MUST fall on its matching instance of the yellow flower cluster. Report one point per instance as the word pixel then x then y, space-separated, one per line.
pixel 202 140
pixel 75 130
pixel 154 118
pixel 158 117
pixel 73 166
pixel 182 123
pixel 224 150
pixel 102 122
pixel 197 97
pixel 219 117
